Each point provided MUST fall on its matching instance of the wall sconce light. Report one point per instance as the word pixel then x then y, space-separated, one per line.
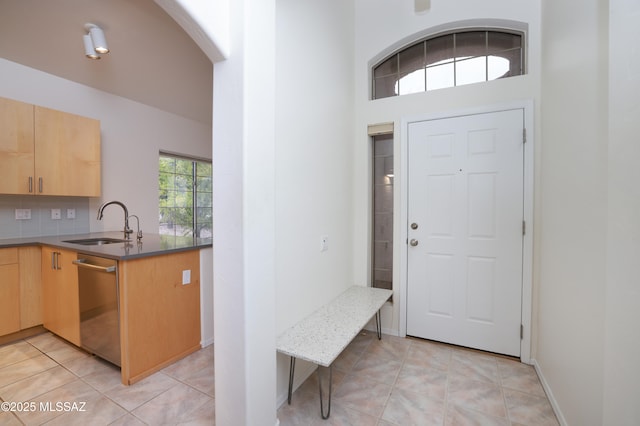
pixel 95 42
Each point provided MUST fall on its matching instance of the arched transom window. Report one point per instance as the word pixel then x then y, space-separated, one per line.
pixel 449 60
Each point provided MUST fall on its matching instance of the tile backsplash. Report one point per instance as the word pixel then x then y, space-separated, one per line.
pixel 41 223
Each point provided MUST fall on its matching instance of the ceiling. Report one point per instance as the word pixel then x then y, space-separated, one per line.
pixel 151 60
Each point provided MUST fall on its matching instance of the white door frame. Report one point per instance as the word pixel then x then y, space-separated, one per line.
pixel 527 249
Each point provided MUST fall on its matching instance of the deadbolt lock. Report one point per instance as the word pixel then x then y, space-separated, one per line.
pixel 414 225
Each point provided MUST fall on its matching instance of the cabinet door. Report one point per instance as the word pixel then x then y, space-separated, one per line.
pixel 9 291
pixel 60 302
pixel 30 287
pixel 16 147
pixel 67 159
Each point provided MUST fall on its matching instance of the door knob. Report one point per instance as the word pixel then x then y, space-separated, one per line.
pixel 413 242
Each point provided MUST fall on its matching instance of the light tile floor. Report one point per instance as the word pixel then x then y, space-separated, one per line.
pixel 45 369
pixel 398 381
pixel 394 381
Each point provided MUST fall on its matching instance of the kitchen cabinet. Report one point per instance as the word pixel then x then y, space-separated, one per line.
pixel 60 301
pixel 20 288
pixel 9 291
pixel 48 152
pixel 30 286
pixel 159 315
pixel 16 146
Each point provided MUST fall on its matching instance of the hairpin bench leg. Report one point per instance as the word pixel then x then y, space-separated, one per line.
pixel 292 368
pixel 320 387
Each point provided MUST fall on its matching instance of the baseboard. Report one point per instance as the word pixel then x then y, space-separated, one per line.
pixel 206 342
pixel 549 392
pixel 388 331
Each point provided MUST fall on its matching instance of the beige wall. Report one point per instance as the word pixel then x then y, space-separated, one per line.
pixel 132 135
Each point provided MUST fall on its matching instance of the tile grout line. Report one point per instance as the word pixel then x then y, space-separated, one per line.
pixel 393 385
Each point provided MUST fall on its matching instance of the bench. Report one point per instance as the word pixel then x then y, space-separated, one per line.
pixel 323 335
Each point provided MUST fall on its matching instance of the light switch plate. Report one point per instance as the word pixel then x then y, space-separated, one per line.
pixel 71 213
pixel 324 243
pixel 55 214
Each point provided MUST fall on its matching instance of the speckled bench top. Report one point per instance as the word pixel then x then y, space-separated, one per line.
pixel 323 335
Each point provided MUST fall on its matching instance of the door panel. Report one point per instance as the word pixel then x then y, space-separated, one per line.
pixel 465 192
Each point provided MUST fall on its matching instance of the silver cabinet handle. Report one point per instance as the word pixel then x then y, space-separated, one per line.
pixel 413 242
pixel 83 264
pixel 55 260
pixel 40 184
pixel 30 184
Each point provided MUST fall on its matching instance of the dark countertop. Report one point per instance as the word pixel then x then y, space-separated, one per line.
pixel 151 244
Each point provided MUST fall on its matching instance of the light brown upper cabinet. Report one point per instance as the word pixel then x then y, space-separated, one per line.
pixel 16 147
pixel 48 152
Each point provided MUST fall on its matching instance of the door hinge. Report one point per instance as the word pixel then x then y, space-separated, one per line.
pixel 524 135
pixel 524 227
pixel 521 331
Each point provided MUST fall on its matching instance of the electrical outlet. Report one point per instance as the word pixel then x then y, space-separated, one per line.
pixel 23 214
pixel 71 213
pixel 55 214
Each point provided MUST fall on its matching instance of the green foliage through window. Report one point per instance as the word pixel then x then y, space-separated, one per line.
pixel 185 197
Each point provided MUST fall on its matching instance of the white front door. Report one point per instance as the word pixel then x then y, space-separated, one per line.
pixel 465 227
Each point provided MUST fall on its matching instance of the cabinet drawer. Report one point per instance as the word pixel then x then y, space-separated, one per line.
pixel 8 256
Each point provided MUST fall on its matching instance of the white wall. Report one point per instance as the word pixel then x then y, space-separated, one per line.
pixel 314 160
pixel 385 25
pixel 573 207
pixel 244 228
pixel 622 316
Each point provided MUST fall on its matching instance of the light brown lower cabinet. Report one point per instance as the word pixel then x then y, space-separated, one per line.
pixel 159 316
pixel 30 286
pixel 9 291
pixel 60 301
pixel 20 289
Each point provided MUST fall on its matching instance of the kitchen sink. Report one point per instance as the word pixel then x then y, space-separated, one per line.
pixel 97 241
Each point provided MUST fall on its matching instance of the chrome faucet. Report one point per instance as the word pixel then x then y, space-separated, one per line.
pixel 139 234
pixel 127 230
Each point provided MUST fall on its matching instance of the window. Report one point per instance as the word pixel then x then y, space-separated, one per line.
pixel 449 60
pixel 185 196
pixel 382 259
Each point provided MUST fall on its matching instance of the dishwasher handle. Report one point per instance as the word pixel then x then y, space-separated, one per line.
pixel 83 264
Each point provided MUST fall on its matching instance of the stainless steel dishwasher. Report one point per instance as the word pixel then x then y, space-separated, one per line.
pixel 99 307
